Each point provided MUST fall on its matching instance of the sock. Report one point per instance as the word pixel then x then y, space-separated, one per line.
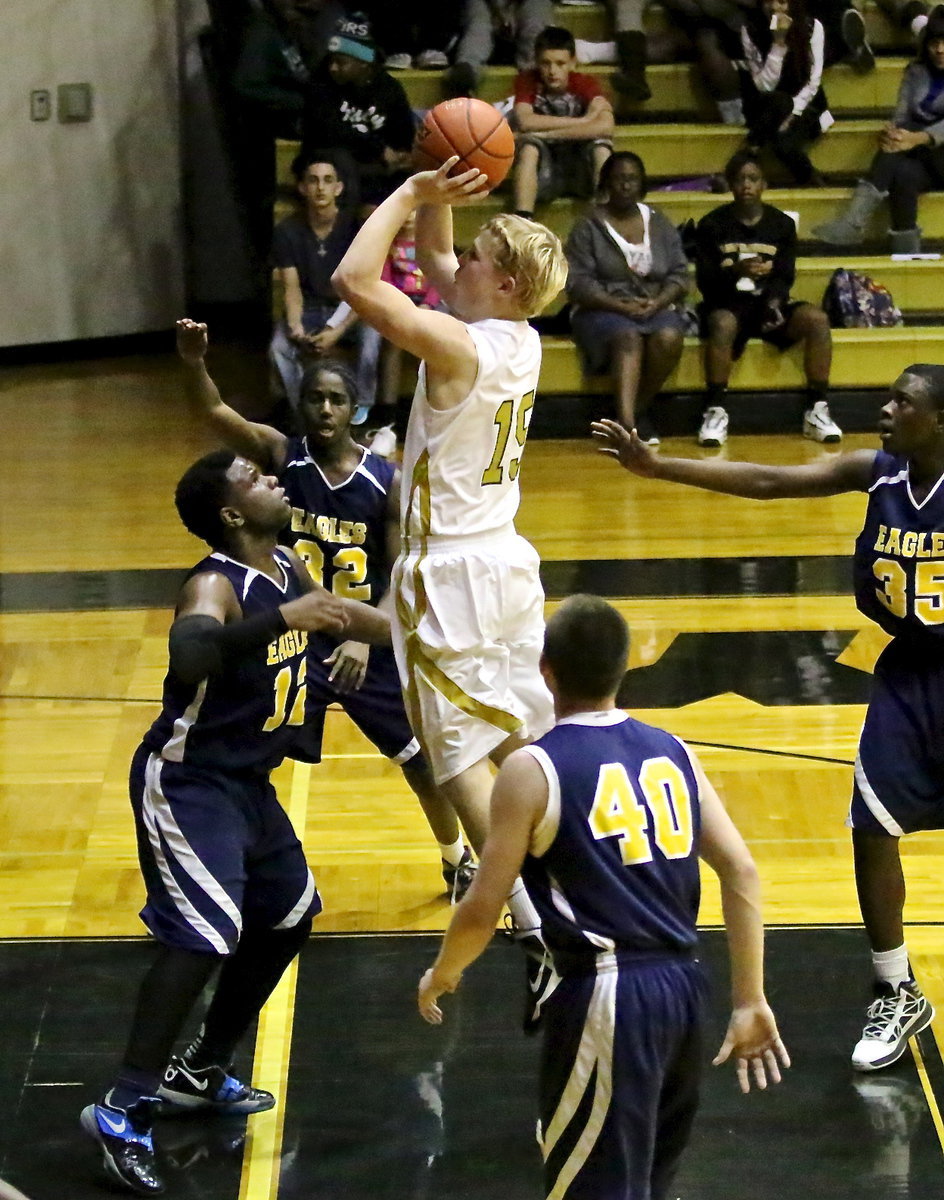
pixel 246 982
pixel 130 1087
pixel 452 854
pixel 715 395
pixel 919 23
pixel 595 52
pixel 523 912
pixel 816 392
pixel 891 966
pixel 731 112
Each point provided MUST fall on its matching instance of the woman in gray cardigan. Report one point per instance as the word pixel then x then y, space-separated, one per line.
pixel 910 159
pixel 627 273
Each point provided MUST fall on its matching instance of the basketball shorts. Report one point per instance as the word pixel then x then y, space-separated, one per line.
pixel 376 707
pixel 468 637
pixel 898 785
pixel 619 1079
pixel 218 853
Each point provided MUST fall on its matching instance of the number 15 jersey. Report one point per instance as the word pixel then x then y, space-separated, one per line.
pixel 899 555
pixel 613 865
pixel 460 465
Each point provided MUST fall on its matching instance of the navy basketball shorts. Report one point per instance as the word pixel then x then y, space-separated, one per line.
pixel 620 1073
pixel 376 707
pixel 218 854
pixel 898 785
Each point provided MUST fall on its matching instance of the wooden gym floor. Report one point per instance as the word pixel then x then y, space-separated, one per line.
pixel 746 643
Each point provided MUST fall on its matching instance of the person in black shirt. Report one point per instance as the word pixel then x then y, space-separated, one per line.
pixel 306 248
pixel 745 267
pixel 359 111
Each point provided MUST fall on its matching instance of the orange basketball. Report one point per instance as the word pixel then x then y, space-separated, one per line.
pixel 474 130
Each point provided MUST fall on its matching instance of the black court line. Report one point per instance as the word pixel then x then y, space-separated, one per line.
pixel 818 575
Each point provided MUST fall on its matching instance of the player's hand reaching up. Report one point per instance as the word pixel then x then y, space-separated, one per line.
pixel 191 340
pixel 626 445
pixel 438 187
pixel 316 612
pixel 753 1041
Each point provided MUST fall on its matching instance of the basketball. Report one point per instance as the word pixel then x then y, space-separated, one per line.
pixel 474 130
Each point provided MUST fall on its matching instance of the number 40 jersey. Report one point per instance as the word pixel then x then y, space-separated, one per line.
pixel 613 865
pixel 899 555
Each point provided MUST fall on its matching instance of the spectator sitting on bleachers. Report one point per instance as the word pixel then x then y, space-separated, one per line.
pixel 907 14
pixel 492 30
pixel 414 33
pixel 306 249
pixel 359 111
pixel 746 266
pixel 784 103
pixel 713 27
pixel 627 272
pixel 565 125
pixel 910 158
pixel 282 44
pixel 844 34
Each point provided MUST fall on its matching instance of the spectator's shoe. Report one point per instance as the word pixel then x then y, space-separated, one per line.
pixel 384 442
pixel 398 62
pixel 431 60
pixel 210 1089
pixel 819 425
pixel 630 79
pixel 459 879
pixel 894 1016
pixel 124 1136
pixel 714 427
pixel 860 56
pixel 460 80
pixel 645 430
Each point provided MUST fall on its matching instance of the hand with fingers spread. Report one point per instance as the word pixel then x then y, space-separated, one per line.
pixel 753 1041
pixel 439 187
pixel 191 340
pixel 348 664
pixel 626 446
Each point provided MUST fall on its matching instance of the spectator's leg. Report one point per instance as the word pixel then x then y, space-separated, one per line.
pixel 720 75
pixel 722 328
pixel 476 42
pixel 599 154
pixel 524 184
pixel 630 79
pixel 626 352
pixel 908 14
pixel 287 364
pixel 391 363
pixel 907 177
pixel 368 356
pixel 661 355
pixel 791 148
pixel 533 16
pixel 809 325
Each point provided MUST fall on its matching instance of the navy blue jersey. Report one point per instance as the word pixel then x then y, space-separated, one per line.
pixel 244 717
pixel 339 530
pixel 899 555
pixel 620 867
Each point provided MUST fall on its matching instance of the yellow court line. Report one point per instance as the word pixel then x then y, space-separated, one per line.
pixel 928 1090
pixel 262 1160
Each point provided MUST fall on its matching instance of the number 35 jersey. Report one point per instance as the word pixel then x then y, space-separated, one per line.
pixel 460 465
pixel 244 717
pixel 613 865
pixel 899 555
pixel 339 530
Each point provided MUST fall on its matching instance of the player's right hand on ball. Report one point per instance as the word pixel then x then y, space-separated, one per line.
pixel 191 340
pixel 438 187
pixel 316 612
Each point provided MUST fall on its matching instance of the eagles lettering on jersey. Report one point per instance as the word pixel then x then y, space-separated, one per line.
pixel 339 530
pixel 245 717
pixel 619 870
pixel 899 555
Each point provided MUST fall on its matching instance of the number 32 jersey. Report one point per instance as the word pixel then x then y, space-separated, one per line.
pixel 613 865
pixel 899 555
pixel 244 717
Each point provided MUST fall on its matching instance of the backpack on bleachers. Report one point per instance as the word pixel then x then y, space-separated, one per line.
pixel 854 301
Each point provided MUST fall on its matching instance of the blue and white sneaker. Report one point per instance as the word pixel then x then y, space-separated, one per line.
pixel 124 1136
pixel 209 1089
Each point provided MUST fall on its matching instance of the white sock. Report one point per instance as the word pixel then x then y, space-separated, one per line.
pixel 523 912
pixel 595 52
pixel 452 854
pixel 919 23
pixel 731 112
pixel 891 966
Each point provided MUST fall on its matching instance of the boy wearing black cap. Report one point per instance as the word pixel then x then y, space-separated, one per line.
pixel 359 111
